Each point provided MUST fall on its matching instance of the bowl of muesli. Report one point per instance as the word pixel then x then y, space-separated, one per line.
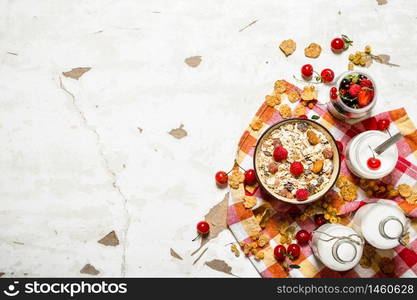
pixel 296 161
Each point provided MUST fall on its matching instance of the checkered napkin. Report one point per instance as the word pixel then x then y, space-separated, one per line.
pixel 243 224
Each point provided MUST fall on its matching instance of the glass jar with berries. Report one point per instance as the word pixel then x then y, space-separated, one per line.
pixel 353 96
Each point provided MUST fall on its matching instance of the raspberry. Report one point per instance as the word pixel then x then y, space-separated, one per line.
pixel 280 153
pixel 296 168
pixel 302 194
pixel 354 90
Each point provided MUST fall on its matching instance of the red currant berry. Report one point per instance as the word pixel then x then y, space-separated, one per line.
pixel 303 117
pixel 327 75
pixel 307 71
pixel 250 177
pixel 333 93
pixel 319 219
pixel 294 250
pixel 337 44
pixel 383 124
pixel 339 146
pixel 302 236
pixel 203 227
pixel 221 178
pixel 373 163
pixel 279 252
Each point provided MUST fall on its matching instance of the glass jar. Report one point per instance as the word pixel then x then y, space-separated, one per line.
pixel 382 224
pixel 338 247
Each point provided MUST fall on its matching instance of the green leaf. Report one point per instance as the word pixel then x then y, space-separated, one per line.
pixel 294 266
pixel 315 117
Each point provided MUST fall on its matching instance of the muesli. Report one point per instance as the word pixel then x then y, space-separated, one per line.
pixel 295 160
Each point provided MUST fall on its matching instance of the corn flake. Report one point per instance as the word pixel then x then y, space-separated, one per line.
pixel 349 192
pixel 249 201
pixel 288 47
pixel 293 96
pixel 256 124
pixel 405 190
pixel 280 87
pixel 263 240
pixel 309 93
pixel 285 111
pixel 313 50
pixel 300 110
pixel 273 100
pixel 412 199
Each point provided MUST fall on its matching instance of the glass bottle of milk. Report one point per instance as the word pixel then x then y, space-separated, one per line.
pixel 338 247
pixel 382 224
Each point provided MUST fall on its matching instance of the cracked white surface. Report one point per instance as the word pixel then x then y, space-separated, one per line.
pixel 75 166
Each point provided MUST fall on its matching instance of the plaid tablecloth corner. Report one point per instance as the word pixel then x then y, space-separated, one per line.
pixel 243 224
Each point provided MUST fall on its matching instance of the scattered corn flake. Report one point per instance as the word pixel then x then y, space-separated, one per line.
pixel 342 181
pixel 249 201
pixel 300 110
pixel 263 240
pixel 405 190
pixel 235 250
pixel 309 93
pixel 285 111
pixel 280 87
pixel 313 50
pixel 255 237
pixel 351 66
pixel 412 199
pixel 406 239
pixel 260 255
pixel 251 188
pixel 288 47
pixel 365 262
pixel 293 96
pixel 273 100
pixel 236 178
pixel 256 124
pixel 349 192
pixel 246 249
pixel 386 265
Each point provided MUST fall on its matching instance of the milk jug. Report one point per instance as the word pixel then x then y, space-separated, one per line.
pixel 382 224
pixel 338 247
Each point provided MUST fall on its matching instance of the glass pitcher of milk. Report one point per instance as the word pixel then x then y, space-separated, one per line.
pixel 338 247
pixel 382 224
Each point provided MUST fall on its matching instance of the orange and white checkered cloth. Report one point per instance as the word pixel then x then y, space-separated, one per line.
pixel 243 224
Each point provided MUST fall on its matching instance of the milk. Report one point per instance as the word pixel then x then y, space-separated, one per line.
pixel 382 224
pixel 338 247
pixel 360 149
